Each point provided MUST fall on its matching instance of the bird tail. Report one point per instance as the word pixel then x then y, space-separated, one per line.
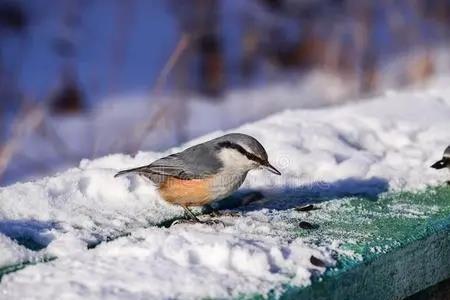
pixel 134 170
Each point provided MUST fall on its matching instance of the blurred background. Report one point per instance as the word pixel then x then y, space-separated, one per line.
pixel 86 78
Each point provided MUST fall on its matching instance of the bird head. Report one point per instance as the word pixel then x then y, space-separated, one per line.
pixel 242 152
pixel 444 162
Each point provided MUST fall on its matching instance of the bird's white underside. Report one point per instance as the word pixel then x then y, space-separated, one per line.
pixel 233 173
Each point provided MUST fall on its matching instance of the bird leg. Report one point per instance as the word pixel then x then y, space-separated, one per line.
pixel 191 215
pixel 193 218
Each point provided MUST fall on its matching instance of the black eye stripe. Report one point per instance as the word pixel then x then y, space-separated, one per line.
pixel 241 150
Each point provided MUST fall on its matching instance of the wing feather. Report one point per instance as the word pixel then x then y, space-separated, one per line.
pixel 193 163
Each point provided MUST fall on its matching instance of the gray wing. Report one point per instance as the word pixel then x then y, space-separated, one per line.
pixel 196 162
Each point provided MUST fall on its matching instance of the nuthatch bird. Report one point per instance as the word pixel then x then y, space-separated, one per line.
pixel 205 172
pixel 444 162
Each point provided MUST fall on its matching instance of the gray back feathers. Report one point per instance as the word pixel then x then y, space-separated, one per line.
pixel 194 162
pixel 199 161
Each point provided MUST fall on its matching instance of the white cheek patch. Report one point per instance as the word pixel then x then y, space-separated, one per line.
pixel 232 158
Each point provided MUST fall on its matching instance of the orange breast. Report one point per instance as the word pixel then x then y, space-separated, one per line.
pixel 194 192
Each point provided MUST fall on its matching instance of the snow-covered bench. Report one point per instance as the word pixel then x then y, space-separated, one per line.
pixel 398 245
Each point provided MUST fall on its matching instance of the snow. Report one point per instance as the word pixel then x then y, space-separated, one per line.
pixel 184 261
pixel 371 147
pixel 12 253
pixel 89 135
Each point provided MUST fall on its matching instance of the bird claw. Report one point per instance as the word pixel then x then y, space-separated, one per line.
pixel 214 214
pixel 212 222
pixel 183 221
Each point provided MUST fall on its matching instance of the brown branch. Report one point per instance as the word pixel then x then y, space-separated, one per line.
pixel 25 122
pixel 147 127
pixel 141 131
pixel 181 46
pixel 58 143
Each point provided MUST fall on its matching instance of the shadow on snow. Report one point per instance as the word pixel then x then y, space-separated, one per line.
pixel 291 197
pixel 32 234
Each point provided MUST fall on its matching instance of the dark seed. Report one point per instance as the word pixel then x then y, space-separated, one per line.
pixel 307 225
pixel 317 262
pixel 305 208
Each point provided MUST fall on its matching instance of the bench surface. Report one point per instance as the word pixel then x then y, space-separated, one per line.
pixel 389 247
pixel 394 246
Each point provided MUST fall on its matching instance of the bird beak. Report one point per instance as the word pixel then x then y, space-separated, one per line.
pixel 271 168
pixel 445 162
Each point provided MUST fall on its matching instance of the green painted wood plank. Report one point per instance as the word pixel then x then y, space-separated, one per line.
pixel 398 245
pixel 17 267
pixel 438 291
